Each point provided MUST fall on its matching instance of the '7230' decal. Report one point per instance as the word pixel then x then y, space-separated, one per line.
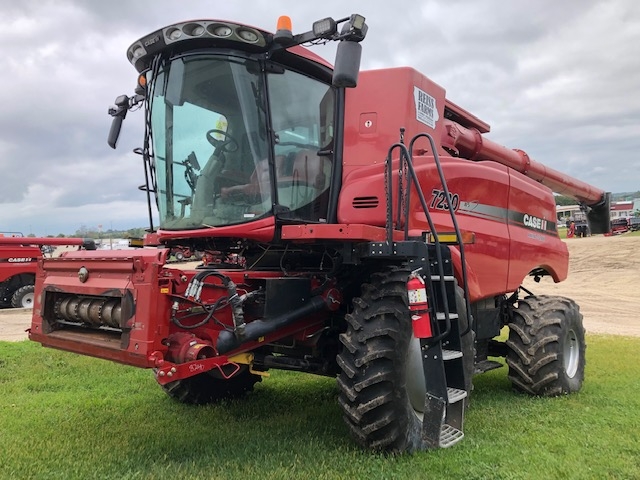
pixel 439 200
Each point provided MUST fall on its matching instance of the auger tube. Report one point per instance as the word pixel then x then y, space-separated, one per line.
pixel 471 144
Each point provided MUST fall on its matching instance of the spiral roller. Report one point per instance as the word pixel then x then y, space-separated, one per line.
pixel 96 312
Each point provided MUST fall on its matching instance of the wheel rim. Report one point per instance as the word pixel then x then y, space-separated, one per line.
pixel 414 374
pixel 571 354
pixel 27 300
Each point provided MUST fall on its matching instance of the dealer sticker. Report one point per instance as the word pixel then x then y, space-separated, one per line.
pixel 426 109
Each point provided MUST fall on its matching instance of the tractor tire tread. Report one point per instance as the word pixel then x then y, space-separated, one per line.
pixel 21 295
pixel 542 331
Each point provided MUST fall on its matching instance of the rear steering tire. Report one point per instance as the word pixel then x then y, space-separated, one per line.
pixel 547 346
pixel 23 297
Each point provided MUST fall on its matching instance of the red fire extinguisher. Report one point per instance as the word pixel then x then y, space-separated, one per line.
pixel 419 306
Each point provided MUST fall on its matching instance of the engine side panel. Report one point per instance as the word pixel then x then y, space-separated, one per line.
pixel 510 216
pixel 480 193
pixel 533 232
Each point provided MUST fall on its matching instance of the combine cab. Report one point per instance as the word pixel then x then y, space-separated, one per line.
pixel 357 225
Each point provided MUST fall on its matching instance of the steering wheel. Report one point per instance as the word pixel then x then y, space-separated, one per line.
pixel 227 144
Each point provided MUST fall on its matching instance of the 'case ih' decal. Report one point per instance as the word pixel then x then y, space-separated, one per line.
pixel 511 217
pixel 18 260
pixel 531 222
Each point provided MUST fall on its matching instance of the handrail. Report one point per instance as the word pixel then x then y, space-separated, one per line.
pixel 405 156
pixel 456 228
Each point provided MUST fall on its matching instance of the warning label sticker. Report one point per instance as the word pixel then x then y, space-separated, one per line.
pixel 426 110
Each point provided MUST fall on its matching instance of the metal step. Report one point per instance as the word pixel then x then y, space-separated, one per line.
pixel 449 436
pixel 486 365
pixel 442 316
pixel 455 394
pixel 446 278
pixel 451 354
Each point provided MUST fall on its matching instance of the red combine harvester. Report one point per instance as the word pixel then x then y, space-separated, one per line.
pixel 19 258
pixel 357 225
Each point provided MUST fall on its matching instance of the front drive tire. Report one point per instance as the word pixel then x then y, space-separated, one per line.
pixel 23 297
pixel 547 346
pixel 381 384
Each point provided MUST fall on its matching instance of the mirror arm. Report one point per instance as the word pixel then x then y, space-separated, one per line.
pixel 119 113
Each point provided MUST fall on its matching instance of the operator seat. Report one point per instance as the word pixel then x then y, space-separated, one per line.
pixel 305 179
pixel 302 188
pixel 310 169
pixel 258 182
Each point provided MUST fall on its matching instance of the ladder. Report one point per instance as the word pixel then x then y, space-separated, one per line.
pixel 445 376
pixel 443 354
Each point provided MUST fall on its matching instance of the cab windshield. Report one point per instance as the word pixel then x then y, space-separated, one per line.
pixel 230 142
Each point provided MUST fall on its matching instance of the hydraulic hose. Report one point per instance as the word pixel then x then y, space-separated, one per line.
pixel 228 341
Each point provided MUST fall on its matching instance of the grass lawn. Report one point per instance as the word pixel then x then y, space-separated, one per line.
pixel 66 416
pixel 562 232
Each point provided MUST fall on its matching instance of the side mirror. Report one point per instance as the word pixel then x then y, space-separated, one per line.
pixel 118 112
pixel 114 131
pixel 347 65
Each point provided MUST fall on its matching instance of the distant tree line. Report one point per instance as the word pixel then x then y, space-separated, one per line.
pixel 563 201
pixel 84 232
pixel 615 197
pixel 624 197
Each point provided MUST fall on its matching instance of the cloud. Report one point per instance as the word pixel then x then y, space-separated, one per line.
pixel 556 79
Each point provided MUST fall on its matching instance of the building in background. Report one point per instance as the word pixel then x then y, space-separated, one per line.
pixel 620 211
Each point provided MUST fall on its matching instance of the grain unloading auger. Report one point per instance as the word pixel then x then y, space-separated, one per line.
pixel 469 143
pixel 332 245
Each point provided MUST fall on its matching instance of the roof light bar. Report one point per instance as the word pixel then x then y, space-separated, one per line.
pixel 213 33
pixel 325 28
pixel 206 32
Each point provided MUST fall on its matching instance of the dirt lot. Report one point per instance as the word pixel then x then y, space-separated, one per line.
pixel 604 278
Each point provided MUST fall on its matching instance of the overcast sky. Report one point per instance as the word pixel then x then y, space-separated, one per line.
pixel 558 79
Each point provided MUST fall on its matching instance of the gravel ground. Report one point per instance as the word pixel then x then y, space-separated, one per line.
pixel 13 323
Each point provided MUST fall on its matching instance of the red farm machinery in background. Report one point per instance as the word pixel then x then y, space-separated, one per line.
pixel 357 225
pixel 19 257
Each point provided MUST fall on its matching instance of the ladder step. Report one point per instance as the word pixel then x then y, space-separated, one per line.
pixel 486 365
pixel 446 278
pixel 451 354
pixel 449 436
pixel 442 316
pixel 455 394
